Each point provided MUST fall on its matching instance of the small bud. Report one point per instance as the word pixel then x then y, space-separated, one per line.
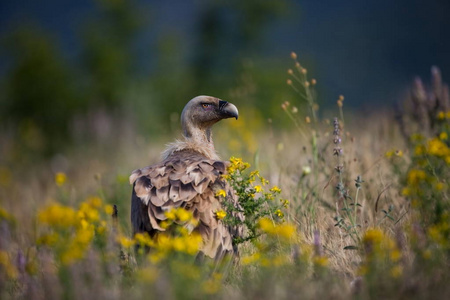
pixel 283 106
pixel 341 98
pixel 313 81
pixel 307 120
pixel 297 65
pixel 306 84
pixel 293 55
pixel 294 110
pixel 289 82
pixel 290 72
pixel 306 170
pixel 339 103
pixel 287 103
pixel 304 71
pixel 337 151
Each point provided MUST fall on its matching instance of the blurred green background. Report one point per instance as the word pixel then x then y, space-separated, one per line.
pixel 74 72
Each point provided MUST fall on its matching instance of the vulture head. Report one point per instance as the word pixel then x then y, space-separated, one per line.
pixel 201 113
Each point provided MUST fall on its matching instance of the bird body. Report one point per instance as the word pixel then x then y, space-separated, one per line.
pixel 189 176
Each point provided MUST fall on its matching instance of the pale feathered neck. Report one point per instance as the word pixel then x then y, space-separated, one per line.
pixel 205 149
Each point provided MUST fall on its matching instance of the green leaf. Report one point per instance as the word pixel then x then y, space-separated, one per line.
pixel 350 247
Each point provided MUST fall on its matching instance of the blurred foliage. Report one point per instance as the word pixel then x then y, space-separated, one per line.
pixel 49 100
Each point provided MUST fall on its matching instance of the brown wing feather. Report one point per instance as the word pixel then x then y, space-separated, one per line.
pixel 189 180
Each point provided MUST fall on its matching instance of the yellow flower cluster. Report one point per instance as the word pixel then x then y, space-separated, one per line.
pixel 180 240
pixel 381 251
pixel 236 164
pixel 284 231
pixel 443 115
pixel 8 265
pixel 71 231
pixel 438 148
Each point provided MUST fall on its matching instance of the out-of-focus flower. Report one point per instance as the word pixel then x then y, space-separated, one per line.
pixel 58 215
pixel 60 178
pixel 306 170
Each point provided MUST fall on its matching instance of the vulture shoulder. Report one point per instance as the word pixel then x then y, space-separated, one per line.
pixel 189 180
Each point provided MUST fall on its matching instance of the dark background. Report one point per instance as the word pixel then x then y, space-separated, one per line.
pixel 64 59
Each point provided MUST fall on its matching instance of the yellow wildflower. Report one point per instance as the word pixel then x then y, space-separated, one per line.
pixel 126 242
pixel 439 186
pixel 279 213
pixel 320 261
pixel 109 209
pixel 58 215
pixel 88 211
pixel 221 193
pixel 143 239
pixel 443 136
pixel 415 176
pixel 275 189
pixel 183 215
pixel 247 260
pixel 419 150
pixel 8 266
pixel 94 201
pixel 220 214
pixel 60 178
pixel 441 115
pixel 389 153
pixel 406 191
pixel 193 243
pixel 258 188
pixel 170 214
pixel 437 147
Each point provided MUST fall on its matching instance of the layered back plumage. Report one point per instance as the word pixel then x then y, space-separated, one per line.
pixel 189 176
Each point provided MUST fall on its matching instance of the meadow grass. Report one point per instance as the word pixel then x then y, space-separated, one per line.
pixel 355 207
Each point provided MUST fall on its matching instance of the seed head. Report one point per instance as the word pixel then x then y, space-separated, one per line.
pixel 304 71
pixel 290 72
pixel 289 82
pixel 313 81
pixel 293 55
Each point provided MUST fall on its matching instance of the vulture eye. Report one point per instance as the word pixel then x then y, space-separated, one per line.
pixel 206 105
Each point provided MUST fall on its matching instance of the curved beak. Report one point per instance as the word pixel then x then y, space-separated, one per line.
pixel 228 110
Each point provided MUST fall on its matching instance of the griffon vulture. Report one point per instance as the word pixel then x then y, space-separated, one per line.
pixel 189 176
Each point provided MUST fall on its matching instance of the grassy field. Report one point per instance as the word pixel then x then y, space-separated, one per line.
pixel 363 210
